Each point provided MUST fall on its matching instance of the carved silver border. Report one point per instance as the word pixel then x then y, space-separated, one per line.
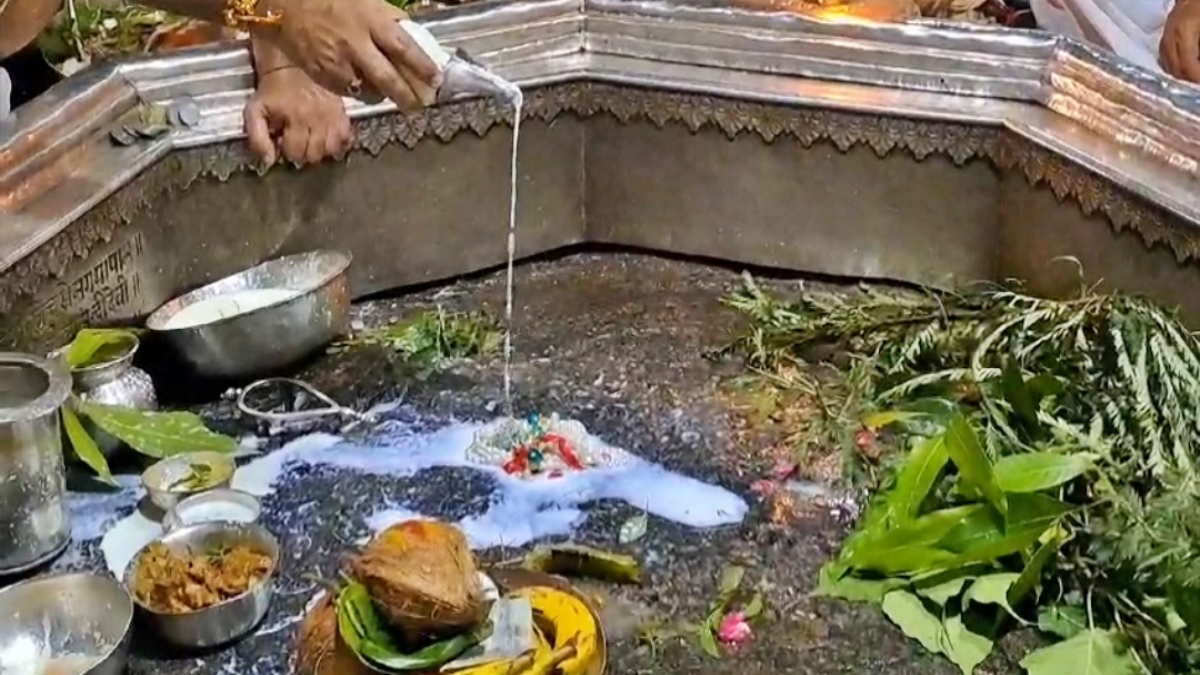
pixel 883 134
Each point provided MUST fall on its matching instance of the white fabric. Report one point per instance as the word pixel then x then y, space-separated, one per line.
pixel 5 94
pixel 1130 28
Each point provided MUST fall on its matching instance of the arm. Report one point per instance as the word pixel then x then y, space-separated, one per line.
pixel 267 57
pixel 22 20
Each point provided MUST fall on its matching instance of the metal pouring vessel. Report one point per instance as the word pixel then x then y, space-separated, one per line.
pixel 462 76
pixel 34 523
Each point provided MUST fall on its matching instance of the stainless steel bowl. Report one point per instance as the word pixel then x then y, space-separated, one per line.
pixel 273 336
pixel 229 620
pixel 222 505
pixel 163 479
pixel 70 623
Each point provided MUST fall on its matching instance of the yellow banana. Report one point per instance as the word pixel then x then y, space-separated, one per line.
pixel 566 636
pixel 574 637
pixel 516 666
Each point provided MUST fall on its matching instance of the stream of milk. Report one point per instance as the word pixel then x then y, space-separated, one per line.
pixel 518 511
pixel 518 100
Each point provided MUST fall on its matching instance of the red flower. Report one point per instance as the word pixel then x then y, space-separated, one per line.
pixel 865 439
pixel 734 630
pixel 762 487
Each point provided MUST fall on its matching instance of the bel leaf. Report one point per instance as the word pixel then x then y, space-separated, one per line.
pixel 1091 652
pixel 1037 471
pixel 943 592
pixel 1065 621
pixel 909 614
pixel 854 589
pixel 993 589
pixel 157 434
pixel 962 443
pixel 962 646
pixel 85 446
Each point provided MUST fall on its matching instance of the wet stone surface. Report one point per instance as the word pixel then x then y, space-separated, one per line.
pixel 615 341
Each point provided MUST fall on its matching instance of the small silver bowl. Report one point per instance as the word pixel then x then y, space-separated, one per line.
pixel 166 481
pixel 70 623
pixel 225 622
pixel 266 338
pixel 215 506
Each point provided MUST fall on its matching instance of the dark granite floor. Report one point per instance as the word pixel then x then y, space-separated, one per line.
pixel 614 340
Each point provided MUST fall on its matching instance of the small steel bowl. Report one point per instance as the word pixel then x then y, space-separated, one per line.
pixel 221 505
pixel 76 623
pixel 162 479
pixel 225 622
pixel 271 337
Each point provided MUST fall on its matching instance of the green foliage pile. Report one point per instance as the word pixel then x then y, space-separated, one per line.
pixel 1048 472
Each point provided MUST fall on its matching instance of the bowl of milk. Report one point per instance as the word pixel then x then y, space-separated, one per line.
pixel 259 320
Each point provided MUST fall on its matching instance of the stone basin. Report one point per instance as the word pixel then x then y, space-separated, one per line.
pixel 724 136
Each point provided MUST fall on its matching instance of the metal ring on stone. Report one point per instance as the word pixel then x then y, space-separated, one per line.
pixel 354 89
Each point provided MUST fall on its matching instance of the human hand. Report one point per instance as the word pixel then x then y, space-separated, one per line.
pixel 1179 49
pixel 356 48
pixel 290 112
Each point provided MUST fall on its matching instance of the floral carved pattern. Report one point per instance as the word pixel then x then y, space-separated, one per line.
pixel 732 117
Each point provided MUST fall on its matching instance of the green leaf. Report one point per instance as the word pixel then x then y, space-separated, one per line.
pixel 365 633
pixel 755 606
pixel 1065 621
pixel 1037 471
pixel 731 580
pixel 882 418
pixel 355 602
pixel 1185 600
pixel 914 547
pixel 973 465
pixel 943 592
pixel 847 587
pixel 993 589
pixel 85 446
pixel 981 536
pixel 1092 652
pixel 708 641
pixel 97 345
pixel 633 529
pixel 1019 396
pixel 1031 575
pixel 157 434
pixel 966 649
pixel 909 614
pixel 387 658
pixel 920 472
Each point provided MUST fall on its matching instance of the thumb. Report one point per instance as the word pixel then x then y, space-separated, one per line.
pixel 258 132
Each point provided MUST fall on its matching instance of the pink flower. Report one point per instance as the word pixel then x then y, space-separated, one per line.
pixel 783 470
pixel 734 629
pixel 762 487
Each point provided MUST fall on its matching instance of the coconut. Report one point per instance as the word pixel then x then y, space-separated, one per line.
pixel 319 648
pixel 422 579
